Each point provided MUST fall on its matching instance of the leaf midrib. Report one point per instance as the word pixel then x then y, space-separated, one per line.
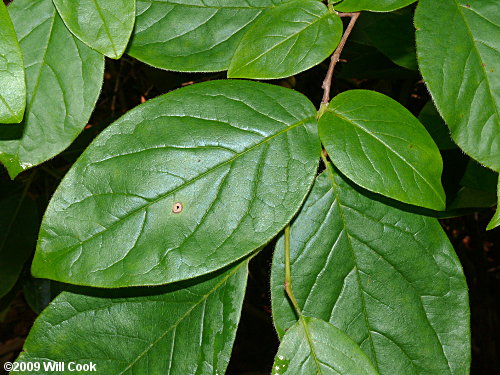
pixel 193 180
pixel 105 25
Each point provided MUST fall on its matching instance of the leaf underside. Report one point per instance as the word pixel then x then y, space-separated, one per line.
pixel 181 186
pixel 389 279
pixel 63 79
pixel 179 329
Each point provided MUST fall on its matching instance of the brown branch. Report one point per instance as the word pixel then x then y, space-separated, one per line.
pixel 327 83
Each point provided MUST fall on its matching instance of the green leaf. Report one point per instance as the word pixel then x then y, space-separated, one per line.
pixel 192 35
pixel 430 118
pixel 392 34
pixel 181 186
pixel 186 328
pixel 63 78
pixel 313 346
pixel 12 85
pixel 381 146
pixel 105 25
pixel 495 221
pixel 388 278
pixel 18 229
pixel 287 40
pixel 459 63
pixel 372 5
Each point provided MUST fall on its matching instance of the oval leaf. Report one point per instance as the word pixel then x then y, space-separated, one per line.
pixel 105 25
pixel 372 5
pixel 381 146
pixel 63 78
pixel 187 328
pixel 192 35
pixel 12 85
pixel 388 278
pixel 313 346
pixel 461 68
pixel 181 186
pixel 287 40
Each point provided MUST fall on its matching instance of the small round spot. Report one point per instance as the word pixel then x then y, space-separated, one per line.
pixel 177 208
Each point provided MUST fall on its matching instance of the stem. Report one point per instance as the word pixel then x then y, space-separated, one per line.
pixel 288 276
pixel 327 83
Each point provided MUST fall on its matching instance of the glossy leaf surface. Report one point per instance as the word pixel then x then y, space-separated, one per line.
pixel 313 346
pixel 388 278
pixel 12 85
pixel 63 78
pixel 459 63
pixel 18 229
pixel 181 186
pixel 187 328
pixel 287 40
pixel 192 35
pixel 372 5
pixel 382 147
pixel 105 25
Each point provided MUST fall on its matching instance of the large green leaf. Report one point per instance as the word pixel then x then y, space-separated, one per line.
pixel 372 5
pixel 388 278
pixel 63 78
pixel 186 328
pixel 313 346
pixel 18 229
pixel 12 86
pixel 381 146
pixel 180 186
pixel 459 62
pixel 192 35
pixel 287 40
pixel 105 25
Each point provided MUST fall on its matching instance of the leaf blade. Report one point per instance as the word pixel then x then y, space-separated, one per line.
pixel 371 5
pixel 192 325
pixel 12 85
pixel 462 82
pixel 332 350
pixel 88 18
pixel 197 43
pixel 221 150
pixel 388 278
pixel 60 96
pixel 382 147
pixel 276 47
